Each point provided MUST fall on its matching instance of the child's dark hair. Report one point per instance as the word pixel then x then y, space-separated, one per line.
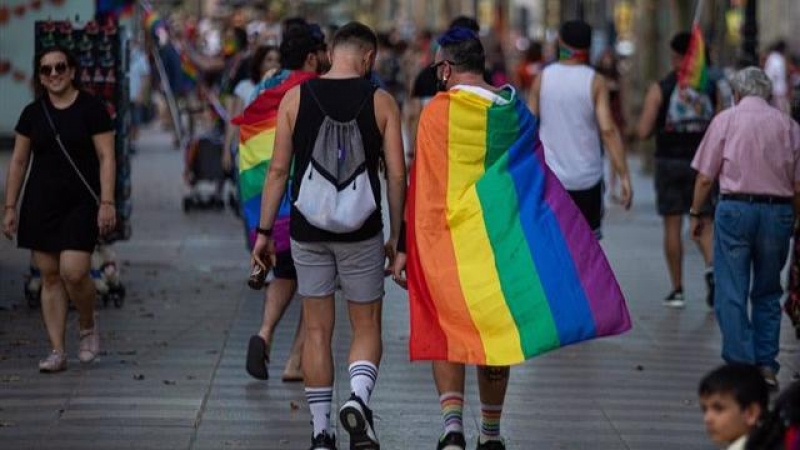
pixel 743 381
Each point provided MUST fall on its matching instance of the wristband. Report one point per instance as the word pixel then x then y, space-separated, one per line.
pixel 11 207
pixel 265 231
pixel 693 213
pixel 107 203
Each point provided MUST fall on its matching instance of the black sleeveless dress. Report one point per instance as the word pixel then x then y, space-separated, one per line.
pixel 58 213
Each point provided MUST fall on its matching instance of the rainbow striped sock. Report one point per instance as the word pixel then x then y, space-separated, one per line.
pixel 490 422
pixel 452 411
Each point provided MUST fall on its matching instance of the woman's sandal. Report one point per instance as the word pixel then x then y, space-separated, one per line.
pixel 257 358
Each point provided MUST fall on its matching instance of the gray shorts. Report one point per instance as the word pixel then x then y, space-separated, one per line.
pixel 359 266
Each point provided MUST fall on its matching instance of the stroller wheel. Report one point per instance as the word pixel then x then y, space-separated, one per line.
pixel 118 299
pixel 187 204
pixel 219 204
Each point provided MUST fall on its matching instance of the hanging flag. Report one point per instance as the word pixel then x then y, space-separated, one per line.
pixel 693 71
pixel 501 264
pixel 117 8
pixel 256 144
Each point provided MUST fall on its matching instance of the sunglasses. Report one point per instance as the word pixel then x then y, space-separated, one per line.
pixel 47 70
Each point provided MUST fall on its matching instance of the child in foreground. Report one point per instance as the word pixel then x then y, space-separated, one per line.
pixel 733 397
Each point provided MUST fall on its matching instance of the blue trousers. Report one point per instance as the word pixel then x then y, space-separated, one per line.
pixel 750 238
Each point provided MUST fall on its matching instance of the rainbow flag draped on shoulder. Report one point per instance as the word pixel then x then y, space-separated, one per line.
pixel 501 264
pixel 256 144
pixel 693 71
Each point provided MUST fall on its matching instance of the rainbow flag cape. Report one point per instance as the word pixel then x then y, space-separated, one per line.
pixel 256 144
pixel 693 71
pixel 501 264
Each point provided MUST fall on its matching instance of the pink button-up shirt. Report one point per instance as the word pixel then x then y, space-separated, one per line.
pixel 753 148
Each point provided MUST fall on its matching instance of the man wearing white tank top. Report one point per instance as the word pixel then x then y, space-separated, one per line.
pixel 572 103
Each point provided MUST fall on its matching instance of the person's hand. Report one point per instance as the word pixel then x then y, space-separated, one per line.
pixel 399 270
pixel 263 252
pixel 10 223
pixel 696 226
pixel 625 192
pixel 106 219
pixel 390 248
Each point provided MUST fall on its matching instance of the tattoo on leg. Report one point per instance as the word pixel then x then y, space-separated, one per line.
pixel 495 374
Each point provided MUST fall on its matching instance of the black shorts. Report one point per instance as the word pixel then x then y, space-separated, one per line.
pixel 674 180
pixel 590 202
pixel 284 266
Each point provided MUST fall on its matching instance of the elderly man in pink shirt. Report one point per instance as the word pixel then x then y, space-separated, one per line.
pixel 754 150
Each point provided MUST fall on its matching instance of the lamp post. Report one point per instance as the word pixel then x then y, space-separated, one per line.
pixel 750 33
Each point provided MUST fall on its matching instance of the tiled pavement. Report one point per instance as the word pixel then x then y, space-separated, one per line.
pixel 172 373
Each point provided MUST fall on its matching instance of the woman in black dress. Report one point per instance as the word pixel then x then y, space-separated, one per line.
pixel 64 207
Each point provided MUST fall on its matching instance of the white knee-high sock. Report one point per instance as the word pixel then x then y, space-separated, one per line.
pixel 362 379
pixel 319 402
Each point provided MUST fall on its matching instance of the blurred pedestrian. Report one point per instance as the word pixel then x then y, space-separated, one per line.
pixel 573 105
pixel 139 89
pixel 336 236
pixel 776 67
pixel 301 58
pixel 266 60
pixel 679 117
pixel 69 197
pixel 754 151
pixel 528 68
pixel 608 66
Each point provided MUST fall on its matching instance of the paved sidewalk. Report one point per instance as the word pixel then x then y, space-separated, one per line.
pixel 172 376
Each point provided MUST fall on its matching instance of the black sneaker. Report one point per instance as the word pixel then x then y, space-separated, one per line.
pixel 675 299
pixel 494 444
pixel 323 441
pixel 452 441
pixel 356 418
pixel 710 289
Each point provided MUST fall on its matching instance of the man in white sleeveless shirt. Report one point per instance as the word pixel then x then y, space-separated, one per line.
pixel 576 123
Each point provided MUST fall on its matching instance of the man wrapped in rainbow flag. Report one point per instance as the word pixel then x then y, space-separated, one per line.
pixel 502 266
pixel 303 58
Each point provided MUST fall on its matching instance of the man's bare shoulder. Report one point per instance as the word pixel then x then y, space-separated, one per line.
pixel 385 101
pixel 292 96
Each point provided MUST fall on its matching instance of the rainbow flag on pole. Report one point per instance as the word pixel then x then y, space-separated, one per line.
pixel 152 21
pixel 693 71
pixel 256 144
pixel 501 264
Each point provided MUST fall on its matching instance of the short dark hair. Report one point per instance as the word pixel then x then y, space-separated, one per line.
pixel 72 63
pixel 356 33
pixel 779 46
pixel 465 22
pixel 297 44
pixel 576 34
pixel 463 48
pixel 258 60
pixel 680 42
pixel 742 381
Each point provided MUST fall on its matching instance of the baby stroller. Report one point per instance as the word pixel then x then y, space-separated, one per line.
pixel 104 273
pixel 204 175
